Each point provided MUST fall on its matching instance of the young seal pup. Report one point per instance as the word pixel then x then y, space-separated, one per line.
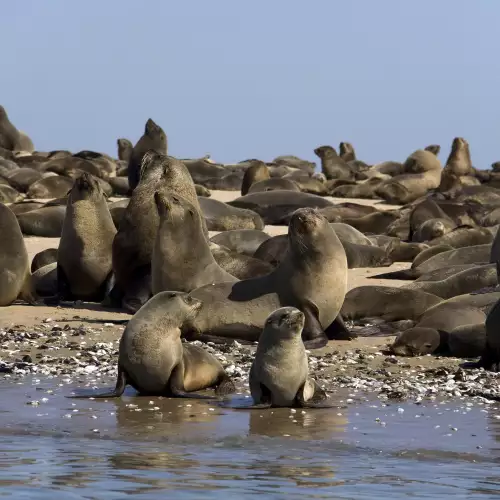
pixel 279 376
pixel 154 361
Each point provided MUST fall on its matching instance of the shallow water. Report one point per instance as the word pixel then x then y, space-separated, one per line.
pixel 69 449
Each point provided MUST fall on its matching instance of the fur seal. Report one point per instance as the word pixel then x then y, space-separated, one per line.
pixel 9 195
pixel 374 223
pixel 465 281
pixel 202 191
pixel 182 259
pixel 275 206
pixel 47 256
pixel 154 361
pixel 155 139
pixel 295 162
pixel 244 241
pixel 239 265
pixel 125 148
pixel 50 187
pixel 15 276
pixel 346 151
pixel 365 190
pixel 459 161
pixel 22 178
pixel 434 149
pixel 311 277
pixel 389 303
pixel 11 138
pixel 256 172
pixel 219 216
pixel 134 241
pixel 46 221
pixel 119 185
pixel 464 236
pixel 84 262
pixel 279 375
pixel 332 165
pixel 273 185
pixel 490 358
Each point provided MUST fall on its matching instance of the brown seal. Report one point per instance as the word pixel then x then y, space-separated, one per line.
pixel 15 276
pixel 153 139
pixel 256 172
pixel 125 149
pixel 154 361
pixel 346 151
pixel 459 161
pixel 181 258
pixel 332 165
pixel 312 277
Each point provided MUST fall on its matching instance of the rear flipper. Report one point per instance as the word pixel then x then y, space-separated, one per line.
pixel 263 395
pixel 404 274
pixel 121 383
pixel 338 331
pixel 176 386
pixel 311 395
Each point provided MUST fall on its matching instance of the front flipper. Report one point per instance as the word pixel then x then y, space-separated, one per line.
pixel 311 395
pixel 176 386
pixel 313 334
pixel 262 394
pixel 226 386
pixel 338 331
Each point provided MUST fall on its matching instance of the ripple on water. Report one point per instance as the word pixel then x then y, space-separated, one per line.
pixel 63 448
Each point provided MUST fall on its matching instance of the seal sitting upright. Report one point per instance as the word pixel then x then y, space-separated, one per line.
pixel 279 375
pixel 311 277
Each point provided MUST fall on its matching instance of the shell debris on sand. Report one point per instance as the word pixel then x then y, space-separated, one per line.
pixel 62 352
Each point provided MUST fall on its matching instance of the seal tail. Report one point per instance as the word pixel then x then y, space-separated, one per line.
pixel 121 383
pixel 404 274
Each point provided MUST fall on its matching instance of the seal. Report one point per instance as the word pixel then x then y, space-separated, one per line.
pixel 256 172
pixel 154 361
pixel 332 165
pixel 15 276
pixel 374 223
pixel 279 376
pixel 434 149
pixel 22 178
pixel 459 161
pixel 219 216
pixel 273 185
pixel 135 239
pixel 55 186
pixel 47 256
pixel 465 281
pixel 155 139
pixel 244 241
pixel 9 195
pixel 84 259
pixel 490 358
pixel 125 149
pixel 312 277
pixel 45 222
pixel 276 206
pixel 464 236
pixel 12 139
pixel 181 258
pixel 239 265
pixel 346 151
pixel 389 303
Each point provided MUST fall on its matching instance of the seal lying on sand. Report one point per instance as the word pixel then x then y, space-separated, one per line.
pixel 312 277
pixel 154 361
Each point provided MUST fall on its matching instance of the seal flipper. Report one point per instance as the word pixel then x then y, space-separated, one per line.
pixel 311 395
pixel 139 290
pixel 265 400
pixel 313 335
pixel 404 274
pixel 338 331
pixel 121 383
pixel 176 386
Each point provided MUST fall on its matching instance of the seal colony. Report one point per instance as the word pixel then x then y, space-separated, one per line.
pixel 151 256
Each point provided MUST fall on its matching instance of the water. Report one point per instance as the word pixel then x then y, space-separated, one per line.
pixel 193 449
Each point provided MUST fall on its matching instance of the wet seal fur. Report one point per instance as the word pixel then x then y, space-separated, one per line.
pixel 312 277
pixel 153 359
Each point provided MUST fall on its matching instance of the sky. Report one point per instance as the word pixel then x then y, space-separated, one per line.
pixel 257 79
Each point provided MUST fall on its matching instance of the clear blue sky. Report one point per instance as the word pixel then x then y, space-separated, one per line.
pixel 257 78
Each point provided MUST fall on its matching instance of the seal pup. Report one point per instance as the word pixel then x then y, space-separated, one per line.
pixel 181 258
pixel 154 138
pixel 311 277
pixel 153 359
pixel 279 375
pixel 15 276
pixel 84 259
